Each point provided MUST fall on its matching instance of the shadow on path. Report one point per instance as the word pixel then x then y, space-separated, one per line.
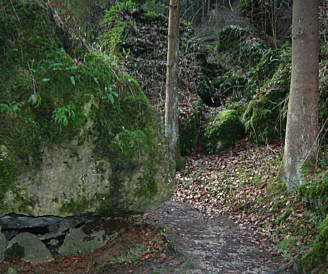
pixel 213 244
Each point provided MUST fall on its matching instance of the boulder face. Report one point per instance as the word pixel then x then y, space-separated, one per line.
pixel 77 135
pixel 223 131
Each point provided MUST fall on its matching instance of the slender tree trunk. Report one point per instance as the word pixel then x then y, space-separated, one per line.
pixel 171 102
pixel 301 141
pixel 203 11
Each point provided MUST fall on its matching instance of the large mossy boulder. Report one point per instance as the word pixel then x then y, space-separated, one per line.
pixel 223 131
pixel 76 134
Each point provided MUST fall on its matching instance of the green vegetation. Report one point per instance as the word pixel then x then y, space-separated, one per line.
pixel 55 89
pixel 317 256
pixel 223 131
pixel 238 46
pixel 315 193
pixel 116 27
pixel 265 116
pixel 51 94
pixel 189 130
pixel 315 196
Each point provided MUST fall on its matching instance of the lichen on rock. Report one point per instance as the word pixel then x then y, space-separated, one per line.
pixel 77 135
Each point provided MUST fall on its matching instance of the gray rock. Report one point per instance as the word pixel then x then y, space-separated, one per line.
pixel 56 226
pixel 73 180
pixel 77 242
pixel 108 156
pixel 22 222
pixel 29 248
pixel 3 245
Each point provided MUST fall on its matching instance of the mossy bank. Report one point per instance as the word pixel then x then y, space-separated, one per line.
pixel 76 134
pixel 223 131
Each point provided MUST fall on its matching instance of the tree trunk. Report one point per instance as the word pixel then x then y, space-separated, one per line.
pixel 171 102
pixel 301 141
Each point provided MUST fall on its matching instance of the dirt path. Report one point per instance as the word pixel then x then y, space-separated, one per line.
pixel 197 244
pixel 213 245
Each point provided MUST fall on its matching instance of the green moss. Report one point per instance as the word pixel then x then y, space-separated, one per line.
pixel 239 45
pixel 180 162
pixel 8 170
pixel 75 207
pixel 276 188
pixel 318 254
pixel 49 97
pixel 315 194
pixel 223 131
pixel 146 186
pixel 117 26
pixel 265 115
pixel 189 130
pixel 22 201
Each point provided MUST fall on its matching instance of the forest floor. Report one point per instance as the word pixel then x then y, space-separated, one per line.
pixel 221 219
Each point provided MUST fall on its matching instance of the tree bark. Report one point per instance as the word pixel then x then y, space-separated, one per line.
pixel 301 141
pixel 171 101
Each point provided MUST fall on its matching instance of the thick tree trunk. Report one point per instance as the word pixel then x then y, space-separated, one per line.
pixel 301 142
pixel 171 102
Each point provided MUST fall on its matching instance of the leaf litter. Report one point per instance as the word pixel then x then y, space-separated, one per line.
pixel 235 184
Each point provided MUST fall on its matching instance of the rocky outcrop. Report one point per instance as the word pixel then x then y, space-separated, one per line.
pixel 77 134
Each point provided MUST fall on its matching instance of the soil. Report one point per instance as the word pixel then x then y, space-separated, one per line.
pixel 214 244
pixel 173 238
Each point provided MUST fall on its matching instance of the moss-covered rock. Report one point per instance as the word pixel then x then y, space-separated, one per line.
pixel 265 116
pixel 318 255
pixel 76 134
pixel 315 194
pixel 222 132
pixel 189 130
